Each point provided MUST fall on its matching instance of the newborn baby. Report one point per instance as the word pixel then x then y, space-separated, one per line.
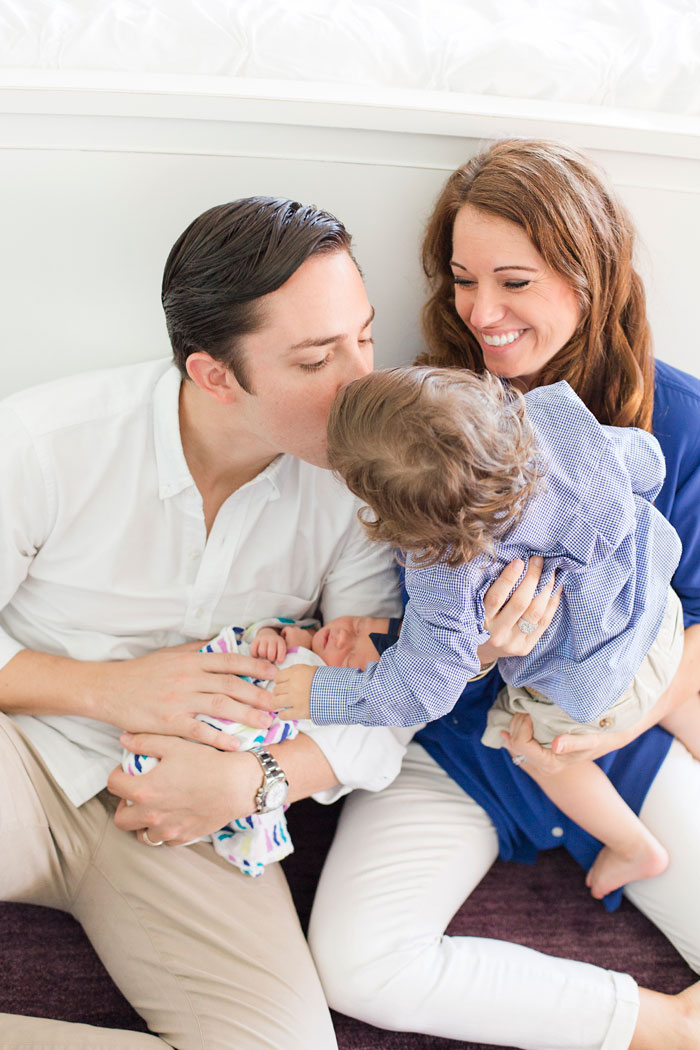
pixel 348 641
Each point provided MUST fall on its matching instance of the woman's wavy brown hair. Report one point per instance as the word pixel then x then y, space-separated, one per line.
pixel 446 460
pixel 585 235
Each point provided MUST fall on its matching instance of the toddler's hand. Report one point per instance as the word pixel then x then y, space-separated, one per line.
pixel 293 692
pixel 269 645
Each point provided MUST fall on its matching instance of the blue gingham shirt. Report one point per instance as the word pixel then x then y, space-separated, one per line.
pixel 614 555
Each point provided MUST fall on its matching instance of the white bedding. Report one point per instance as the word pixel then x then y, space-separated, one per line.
pixel 638 54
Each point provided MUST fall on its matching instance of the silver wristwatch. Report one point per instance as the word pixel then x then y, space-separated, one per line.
pixel 274 789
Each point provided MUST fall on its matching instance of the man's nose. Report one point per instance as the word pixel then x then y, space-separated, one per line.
pixel 361 362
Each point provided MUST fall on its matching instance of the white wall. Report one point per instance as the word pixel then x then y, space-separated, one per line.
pixel 95 185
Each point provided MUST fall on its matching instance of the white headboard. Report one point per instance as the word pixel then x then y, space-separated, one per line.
pixel 99 174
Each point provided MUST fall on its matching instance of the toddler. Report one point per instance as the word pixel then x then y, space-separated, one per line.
pixel 348 641
pixel 464 476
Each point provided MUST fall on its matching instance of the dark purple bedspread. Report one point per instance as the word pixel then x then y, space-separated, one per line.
pixel 48 968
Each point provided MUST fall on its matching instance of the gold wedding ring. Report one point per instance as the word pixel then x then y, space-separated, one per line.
pixel 149 842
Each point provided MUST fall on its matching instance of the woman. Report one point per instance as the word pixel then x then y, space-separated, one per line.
pixel 529 258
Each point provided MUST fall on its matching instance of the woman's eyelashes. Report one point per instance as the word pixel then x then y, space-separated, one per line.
pixel 463 282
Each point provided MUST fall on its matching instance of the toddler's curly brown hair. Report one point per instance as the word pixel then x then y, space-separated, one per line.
pixel 445 459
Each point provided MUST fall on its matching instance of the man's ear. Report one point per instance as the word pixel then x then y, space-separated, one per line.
pixel 213 377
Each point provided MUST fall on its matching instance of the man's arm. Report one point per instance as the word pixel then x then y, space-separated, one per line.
pixel 195 790
pixel 161 692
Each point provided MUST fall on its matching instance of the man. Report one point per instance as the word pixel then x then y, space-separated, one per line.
pixel 141 510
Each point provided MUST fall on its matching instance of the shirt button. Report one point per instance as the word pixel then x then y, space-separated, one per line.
pixel 606 723
pixel 199 612
pixel 557 832
pixel 455 720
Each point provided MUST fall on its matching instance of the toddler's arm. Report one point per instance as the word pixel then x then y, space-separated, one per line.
pixel 641 456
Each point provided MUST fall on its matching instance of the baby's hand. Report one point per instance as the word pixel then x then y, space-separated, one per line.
pixel 269 645
pixel 293 692
pixel 296 637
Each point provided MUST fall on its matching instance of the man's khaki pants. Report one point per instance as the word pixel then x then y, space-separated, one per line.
pixel 210 958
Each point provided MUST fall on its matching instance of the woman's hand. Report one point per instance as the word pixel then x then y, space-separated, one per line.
pixel 570 748
pixel 567 749
pixel 503 614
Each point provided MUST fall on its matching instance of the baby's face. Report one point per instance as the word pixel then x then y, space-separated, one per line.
pixel 346 642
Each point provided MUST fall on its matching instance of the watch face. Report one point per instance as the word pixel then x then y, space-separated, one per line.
pixel 276 794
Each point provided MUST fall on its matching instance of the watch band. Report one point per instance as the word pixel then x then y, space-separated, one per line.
pixel 273 775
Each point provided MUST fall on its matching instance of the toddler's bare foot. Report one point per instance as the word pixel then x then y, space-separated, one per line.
pixel 615 868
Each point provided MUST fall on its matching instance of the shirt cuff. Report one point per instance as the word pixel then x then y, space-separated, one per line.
pixel 334 692
pixel 8 648
pixel 360 757
pixel 484 671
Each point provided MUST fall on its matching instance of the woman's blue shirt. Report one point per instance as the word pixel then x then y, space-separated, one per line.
pixel 525 819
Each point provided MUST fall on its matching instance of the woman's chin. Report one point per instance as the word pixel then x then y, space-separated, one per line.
pixel 498 365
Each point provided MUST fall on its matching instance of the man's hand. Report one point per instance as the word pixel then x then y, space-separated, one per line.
pixel 292 693
pixel 269 644
pixel 163 692
pixel 503 613
pixel 193 791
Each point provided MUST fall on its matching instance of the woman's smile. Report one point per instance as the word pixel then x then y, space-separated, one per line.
pixel 519 309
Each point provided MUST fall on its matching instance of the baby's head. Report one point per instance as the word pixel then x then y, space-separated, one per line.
pixel 354 641
pixel 445 459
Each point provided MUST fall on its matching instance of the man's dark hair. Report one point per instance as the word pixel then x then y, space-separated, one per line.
pixel 226 260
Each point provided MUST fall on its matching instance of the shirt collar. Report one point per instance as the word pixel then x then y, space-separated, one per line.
pixel 173 473
pixel 273 474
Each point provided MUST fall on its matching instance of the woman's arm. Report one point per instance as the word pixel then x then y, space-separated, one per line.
pixel 682 702
pixel 571 748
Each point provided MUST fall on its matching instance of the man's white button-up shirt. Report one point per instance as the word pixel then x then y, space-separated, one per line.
pixel 104 554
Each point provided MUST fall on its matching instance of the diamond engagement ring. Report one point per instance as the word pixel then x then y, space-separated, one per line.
pixel 527 627
pixel 160 842
pixel 519 760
